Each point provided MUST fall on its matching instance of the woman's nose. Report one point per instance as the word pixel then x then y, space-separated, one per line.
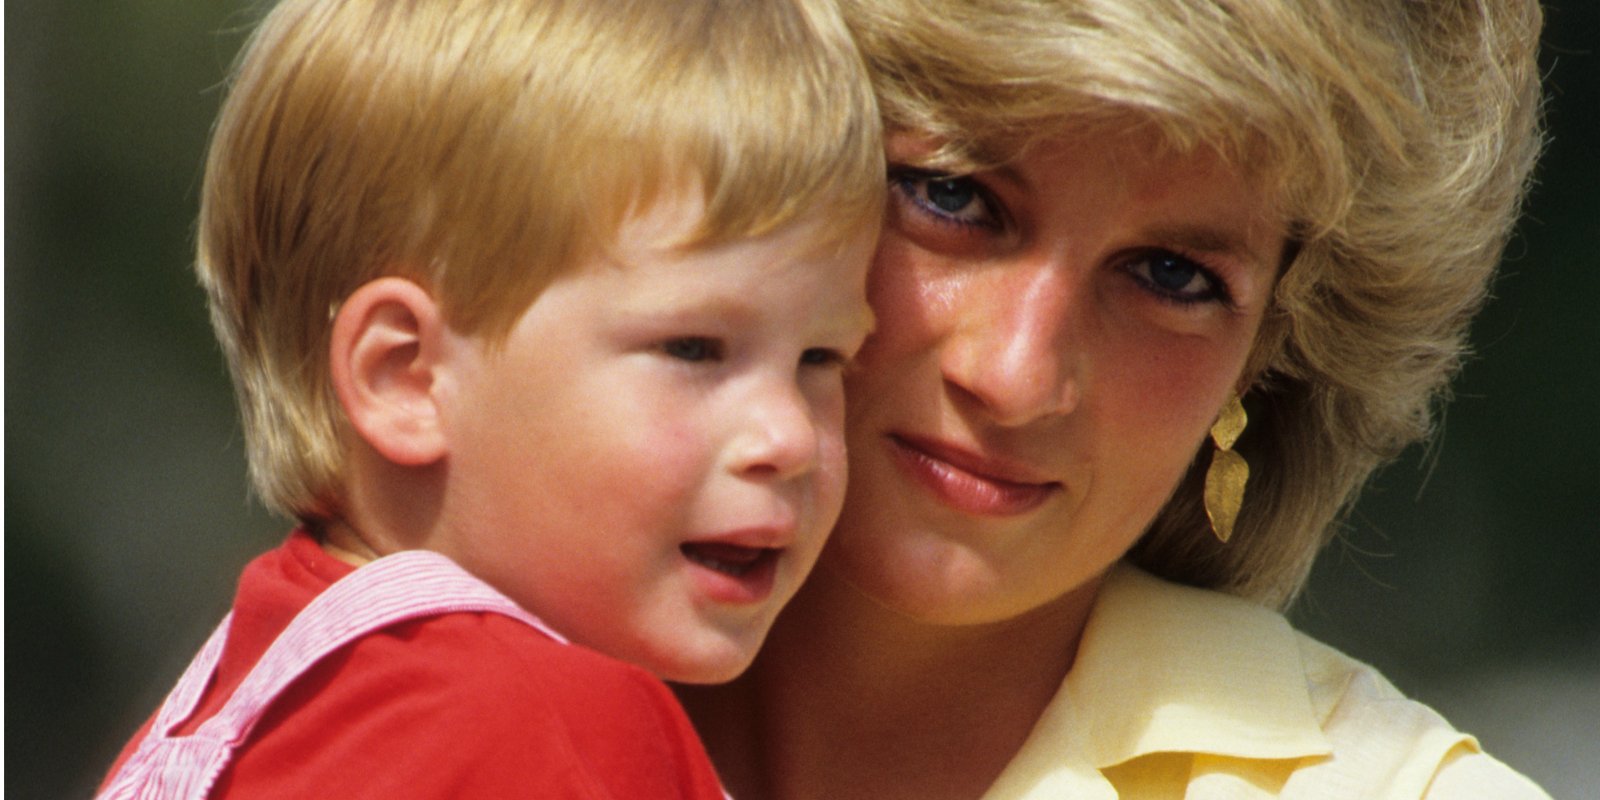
pixel 778 438
pixel 1013 353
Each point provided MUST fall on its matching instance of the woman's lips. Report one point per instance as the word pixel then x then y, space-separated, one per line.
pixel 967 482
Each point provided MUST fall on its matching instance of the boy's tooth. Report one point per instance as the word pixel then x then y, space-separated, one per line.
pixel 696 554
pixel 729 553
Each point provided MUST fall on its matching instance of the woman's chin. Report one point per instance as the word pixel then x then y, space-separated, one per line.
pixel 952 588
pixel 933 580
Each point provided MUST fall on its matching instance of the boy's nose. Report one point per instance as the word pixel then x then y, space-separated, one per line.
pixel 779 438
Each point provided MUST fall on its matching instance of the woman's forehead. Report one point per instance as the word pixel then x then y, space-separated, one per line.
pixel 1131 147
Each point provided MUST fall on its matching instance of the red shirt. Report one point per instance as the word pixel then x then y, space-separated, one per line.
pixel 452 706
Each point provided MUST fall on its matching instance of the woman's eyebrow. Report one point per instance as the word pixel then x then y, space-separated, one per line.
pixel 1217 240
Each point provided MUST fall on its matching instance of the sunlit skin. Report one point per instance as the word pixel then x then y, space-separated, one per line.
pixel 652 459
pixel 1049 359
pixel 1054 339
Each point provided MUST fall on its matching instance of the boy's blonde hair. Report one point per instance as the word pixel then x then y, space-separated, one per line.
pixel 1396 137
pixel 480 148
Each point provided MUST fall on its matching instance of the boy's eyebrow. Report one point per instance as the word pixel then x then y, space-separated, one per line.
pixel 688 310
pixel 734 309
pixel 698 304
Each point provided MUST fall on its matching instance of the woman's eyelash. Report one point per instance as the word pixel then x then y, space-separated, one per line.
pixel 949 199
pixel 1171 277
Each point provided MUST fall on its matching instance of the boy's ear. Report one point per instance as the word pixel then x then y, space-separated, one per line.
pixel 385 356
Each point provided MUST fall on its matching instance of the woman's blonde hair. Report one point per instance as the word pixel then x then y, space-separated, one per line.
pixel 1397 139
pixel 480 147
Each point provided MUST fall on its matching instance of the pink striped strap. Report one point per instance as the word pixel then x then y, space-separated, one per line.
pixel 393 589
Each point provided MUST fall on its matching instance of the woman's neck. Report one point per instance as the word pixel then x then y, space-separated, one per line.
pixel 849 699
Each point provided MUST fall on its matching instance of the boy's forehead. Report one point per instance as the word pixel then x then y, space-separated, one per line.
pixel 675 223
pixel 667 220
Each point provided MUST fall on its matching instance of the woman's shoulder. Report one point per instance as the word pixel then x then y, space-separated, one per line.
pixel 1377 733
pixel 1253 690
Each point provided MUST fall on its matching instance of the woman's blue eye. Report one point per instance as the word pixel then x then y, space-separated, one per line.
pixel 1176 278
pixel 957 199
pixel 1173 274
pixel 693 348
pixel 950 195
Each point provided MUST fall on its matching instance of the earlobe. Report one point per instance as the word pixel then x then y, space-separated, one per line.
pixel 384 358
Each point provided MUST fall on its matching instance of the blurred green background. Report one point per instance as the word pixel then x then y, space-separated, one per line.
pixel 1470 574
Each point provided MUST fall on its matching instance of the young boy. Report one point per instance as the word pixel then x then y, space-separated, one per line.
pixel 533 307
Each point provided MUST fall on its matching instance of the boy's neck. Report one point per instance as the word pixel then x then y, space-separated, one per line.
pixel 848 699
pixel 385 508
pixel 344 543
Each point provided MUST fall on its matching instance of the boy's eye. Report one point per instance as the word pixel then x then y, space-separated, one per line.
pixel 955 199
pixel 1176 278
pixel 693 348
pixel 821 357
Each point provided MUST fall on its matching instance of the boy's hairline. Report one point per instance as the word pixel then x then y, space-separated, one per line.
pixel 830 231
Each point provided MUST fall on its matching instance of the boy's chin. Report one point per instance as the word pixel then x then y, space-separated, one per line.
pixel 719 663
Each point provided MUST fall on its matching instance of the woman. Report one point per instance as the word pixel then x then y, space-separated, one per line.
pixel 1111 220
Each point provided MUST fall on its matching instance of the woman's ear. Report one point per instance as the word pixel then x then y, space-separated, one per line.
pixel 384 358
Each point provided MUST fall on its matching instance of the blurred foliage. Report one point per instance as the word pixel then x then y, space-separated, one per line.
pixel 1467 567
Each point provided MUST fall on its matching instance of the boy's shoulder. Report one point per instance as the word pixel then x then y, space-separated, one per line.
pixel 485 659
pixel 475 704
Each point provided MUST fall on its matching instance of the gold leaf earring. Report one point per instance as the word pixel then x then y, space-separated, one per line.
pixel 1226 476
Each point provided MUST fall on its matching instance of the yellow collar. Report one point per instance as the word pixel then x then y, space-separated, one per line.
pixel 1168 668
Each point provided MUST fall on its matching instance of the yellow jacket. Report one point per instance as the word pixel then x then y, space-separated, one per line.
pixel 1185 693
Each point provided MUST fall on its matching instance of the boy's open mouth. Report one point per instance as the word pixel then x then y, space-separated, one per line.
pixel 729 559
